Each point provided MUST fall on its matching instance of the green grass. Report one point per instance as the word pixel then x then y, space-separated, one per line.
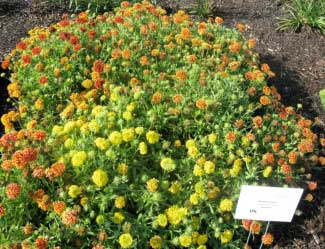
pixel 302 13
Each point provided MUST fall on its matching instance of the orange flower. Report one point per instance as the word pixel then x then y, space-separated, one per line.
pixel 26 59
pixel 38 172
pixel 58 168
pixel 192 58
pixel 201 104
pixel 59 207
pixel 267 239
pixel 276 146
pixel 28 229
pixel 19 159
pixel 264 100
pixel 268 158
pixel 312 186
pixel 235 47
pixel 231 137
pixel 258 121
pixel 322 160
pixel 2 210
pixel 266 90
pixel 125 4
pixel 256 227
pixel 22 45
pixel 41 243
pixel 98 66
pixel 7 165
pixel 181 75
pixel 144 60
pixel 251 43
pixel 241 27
pixel 251 91
pixel 218 20
pixel 185 33
pixel 322 142
pixel 43 80
pixel 39 135
pixel 13 190
pixel 5 64
pixel 156 98
pixel 246 224
pixel 286 168
pixel 36 50
pixel 293 157
pixel 45 203
pixel 69 218
pixel 126 53
pixel 177 98
pixel 38 195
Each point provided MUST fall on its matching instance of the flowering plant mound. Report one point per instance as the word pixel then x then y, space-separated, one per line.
pixel 138 130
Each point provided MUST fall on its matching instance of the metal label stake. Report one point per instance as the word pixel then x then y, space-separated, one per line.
pixel 267 228
pixel 249 234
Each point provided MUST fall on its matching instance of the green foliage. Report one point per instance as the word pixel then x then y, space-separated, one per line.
pixel 304 13
pixel 202 8
pixel 322 97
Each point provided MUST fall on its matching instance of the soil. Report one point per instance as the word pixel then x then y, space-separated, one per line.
pixel 298 59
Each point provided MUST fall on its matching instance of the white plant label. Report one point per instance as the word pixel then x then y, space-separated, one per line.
pixel 267 203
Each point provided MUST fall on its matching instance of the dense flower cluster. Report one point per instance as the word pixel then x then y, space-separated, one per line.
pixel 137 130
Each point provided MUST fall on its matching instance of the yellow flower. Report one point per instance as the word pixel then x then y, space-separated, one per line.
pixel 143 148
pixel 212 138
pixel 209 167
pixel 115 138
pixel 162 220
pixel 100 177
pixel 125 240
pixel 156 242
pixel 122 169
pixel 152 137
pixel 226 236
pixel 69 143
pixel 127 115
pixel 202 239
pixel 139 130
pixel 83 201
pixel 226 205
pixel 119 202
pixel 194 199
pixel 101 143
pixel 167 164
pixel 175 187
pixel 193 151
pixel 175 214
pixel 152 185
pixel 39 104
pixel 78 158
pixel 93 126
pixel 267 171
pixel 74 191
pixel 87 84
pixel 198 170
pixel 118 218
pixel 185 240
pixel 177 143
pixel 131 107
pixel 190 143
pixel 128 134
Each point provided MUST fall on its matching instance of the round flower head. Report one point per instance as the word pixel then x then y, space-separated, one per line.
pixel 100 177
pixel 156 242
pixel 125 240
pixel 226 236
pixel 168 164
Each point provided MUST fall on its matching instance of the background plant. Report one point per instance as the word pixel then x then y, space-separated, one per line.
pixel 138 129
pixel 310 13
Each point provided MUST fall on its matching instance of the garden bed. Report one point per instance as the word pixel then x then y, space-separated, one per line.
pixel 298 60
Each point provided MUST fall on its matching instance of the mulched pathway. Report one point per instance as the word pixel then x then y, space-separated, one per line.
pixel 297 58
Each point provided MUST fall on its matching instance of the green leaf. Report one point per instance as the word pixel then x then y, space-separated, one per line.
pixel 322 97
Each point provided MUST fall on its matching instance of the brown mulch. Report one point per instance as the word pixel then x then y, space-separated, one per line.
pixel 297 58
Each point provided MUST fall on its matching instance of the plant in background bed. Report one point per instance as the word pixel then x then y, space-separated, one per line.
pixel 138 130
pixel 322 97
pixel 304 13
